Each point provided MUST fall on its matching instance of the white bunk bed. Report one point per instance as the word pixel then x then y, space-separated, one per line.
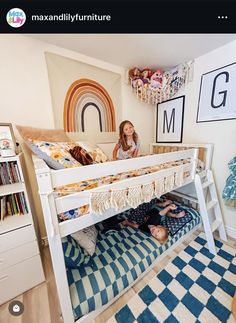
pixel 53 205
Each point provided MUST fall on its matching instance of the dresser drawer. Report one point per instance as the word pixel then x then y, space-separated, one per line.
pixel 19 254
pixel 17 279
pixel 16 238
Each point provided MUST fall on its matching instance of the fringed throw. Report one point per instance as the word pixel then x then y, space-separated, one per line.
pixel 100 202
pixel 159 187
pixel 148 192
pixel 169 182
pixel 134 197
pixel 179 177
pixel 119 199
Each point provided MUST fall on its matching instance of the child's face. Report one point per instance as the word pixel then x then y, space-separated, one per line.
pixel 128 129
pixel 158 232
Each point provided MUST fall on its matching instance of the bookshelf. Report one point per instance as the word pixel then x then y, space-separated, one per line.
pixel 20 261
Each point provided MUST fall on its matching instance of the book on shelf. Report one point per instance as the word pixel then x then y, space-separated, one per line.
pixel 3 207
pixel 13 204
pixel 9 173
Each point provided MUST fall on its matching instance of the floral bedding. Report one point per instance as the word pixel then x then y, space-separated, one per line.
pixel 93 183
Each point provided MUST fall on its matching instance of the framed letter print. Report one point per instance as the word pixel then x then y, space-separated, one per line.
pixel 217 97
pixel 170 117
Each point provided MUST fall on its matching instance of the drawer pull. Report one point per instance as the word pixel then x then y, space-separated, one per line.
pixel 3 278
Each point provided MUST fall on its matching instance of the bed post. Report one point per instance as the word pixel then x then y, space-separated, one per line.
pixel 195 160
pixel 55 244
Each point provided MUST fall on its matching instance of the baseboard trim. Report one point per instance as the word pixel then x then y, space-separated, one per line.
pixel 231 232
pixel 44 241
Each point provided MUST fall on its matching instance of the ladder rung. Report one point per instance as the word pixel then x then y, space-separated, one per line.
pixel 215 225
pixel 202 174
pixel 211 204
pixel 206 184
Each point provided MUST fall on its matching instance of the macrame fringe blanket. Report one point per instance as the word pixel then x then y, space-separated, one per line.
pixel 135 195
pixel 179 177
pixel 159 187
pixel 148 192
pixel 119 199
pixel 100 202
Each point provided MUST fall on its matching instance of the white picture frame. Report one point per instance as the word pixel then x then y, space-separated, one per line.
pixel 169 120
pixel 217 96
pixel 7 140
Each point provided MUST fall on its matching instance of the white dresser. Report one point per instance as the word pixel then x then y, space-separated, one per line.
pixel 20 261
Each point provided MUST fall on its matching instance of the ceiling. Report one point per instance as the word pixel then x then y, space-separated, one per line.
pixel 141 50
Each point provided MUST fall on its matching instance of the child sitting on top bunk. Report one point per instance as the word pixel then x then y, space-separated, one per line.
pixel 128 144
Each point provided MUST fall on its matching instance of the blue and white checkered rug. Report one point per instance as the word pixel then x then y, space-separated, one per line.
pixel 195 287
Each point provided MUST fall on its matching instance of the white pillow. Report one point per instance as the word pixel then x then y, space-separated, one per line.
pixel 87 238
pixel 86 145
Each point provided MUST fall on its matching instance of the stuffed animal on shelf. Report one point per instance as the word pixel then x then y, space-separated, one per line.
pixel 138 82
pixel 146 75
pixel 134 73
pixel 156 80
pixel 166 80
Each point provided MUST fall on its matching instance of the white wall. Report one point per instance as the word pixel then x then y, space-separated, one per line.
pixel 220 133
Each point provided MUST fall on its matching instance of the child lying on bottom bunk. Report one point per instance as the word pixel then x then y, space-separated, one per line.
pixel 148 219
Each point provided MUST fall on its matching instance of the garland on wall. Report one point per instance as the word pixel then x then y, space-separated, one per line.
pixel 155 87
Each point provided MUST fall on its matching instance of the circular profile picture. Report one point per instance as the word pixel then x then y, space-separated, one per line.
pixel 16 17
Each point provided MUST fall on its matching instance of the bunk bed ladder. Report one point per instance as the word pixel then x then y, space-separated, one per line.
pixel 205 186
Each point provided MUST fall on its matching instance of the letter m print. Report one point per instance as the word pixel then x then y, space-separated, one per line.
pixel 169 124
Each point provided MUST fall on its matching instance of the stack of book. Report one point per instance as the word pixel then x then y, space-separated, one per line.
pixel 13 204
pixel 9 173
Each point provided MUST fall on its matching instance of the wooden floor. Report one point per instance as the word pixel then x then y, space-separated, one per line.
pixel 41 303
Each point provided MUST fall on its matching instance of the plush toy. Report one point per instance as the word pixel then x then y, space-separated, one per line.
pixel 138 82
pixel 166 80
pixel 134 73
pixel 146 75
pixel 156 80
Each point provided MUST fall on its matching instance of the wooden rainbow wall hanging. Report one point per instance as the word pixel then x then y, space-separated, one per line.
pixel 86 93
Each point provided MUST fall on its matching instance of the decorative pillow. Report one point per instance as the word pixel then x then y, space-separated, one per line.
pixel 56 151
pixel 81 155
pixel 87 238
pixel 94 151
pixel 174 225
pixel 48 160
pixel 52 135
pixel 74 255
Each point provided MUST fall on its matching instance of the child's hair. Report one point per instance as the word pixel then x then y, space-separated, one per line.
pixel 165 236
pixel 123 137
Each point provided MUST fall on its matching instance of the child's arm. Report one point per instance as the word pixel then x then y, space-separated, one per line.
pixel 165 203
pixel 167 209
pixel 130 224
pixel 115 150
pixel 177 216
pixel 135 153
